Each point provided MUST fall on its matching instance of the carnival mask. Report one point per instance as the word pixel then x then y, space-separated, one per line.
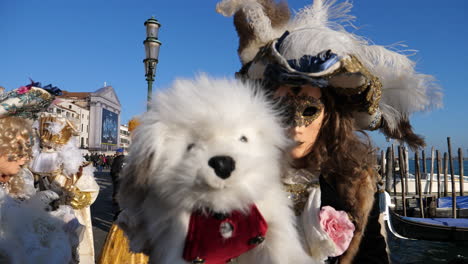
pixel 55 131
pixel 302 110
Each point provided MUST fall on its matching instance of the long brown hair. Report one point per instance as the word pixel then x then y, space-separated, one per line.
pixel 340 149
pixel 344 155
pixel 347 161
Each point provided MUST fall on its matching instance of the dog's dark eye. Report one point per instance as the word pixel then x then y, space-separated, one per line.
pixel 190 146
pixel 244 139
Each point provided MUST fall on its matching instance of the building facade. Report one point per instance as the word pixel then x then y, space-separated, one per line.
pixel 77 115
pixel 104 124
pixel 124 138
pixel 96 116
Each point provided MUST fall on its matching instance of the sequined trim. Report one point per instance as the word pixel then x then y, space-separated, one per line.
pixel 298 183
pixel 368 95
pixel 298 194
pixel 376 121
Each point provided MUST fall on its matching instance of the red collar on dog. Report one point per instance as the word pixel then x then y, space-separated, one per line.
pixel 217 238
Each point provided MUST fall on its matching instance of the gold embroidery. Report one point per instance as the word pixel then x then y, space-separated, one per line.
pixel 370 91
pixel 299 194
pixel 298 183
pixel 365 97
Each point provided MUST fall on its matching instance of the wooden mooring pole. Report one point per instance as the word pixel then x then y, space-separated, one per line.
pixel 418 181
pixel 454 192
pixel 402 175
pixel 383 161
pixel 445 174
pixel 424 174
pixel 394 174
pixel 389 170
pixel 461 172
pixel 432 170
pixel 406 169
pixel 439 166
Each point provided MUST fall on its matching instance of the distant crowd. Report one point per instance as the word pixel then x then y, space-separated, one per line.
pixel 100 161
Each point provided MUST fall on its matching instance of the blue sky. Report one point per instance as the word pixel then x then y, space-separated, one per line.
pixel 79 45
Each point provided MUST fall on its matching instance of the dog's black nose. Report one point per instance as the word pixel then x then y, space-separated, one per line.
pixel 222 165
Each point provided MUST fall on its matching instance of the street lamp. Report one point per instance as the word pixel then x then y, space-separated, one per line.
pixel 152 45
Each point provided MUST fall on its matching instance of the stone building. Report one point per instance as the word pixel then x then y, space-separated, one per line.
pixel 78 115
pixel 104 123
pixel 124 138
pixel 97 115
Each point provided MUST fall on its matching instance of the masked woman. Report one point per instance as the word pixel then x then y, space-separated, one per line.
pixel 30 230
pixel 333 85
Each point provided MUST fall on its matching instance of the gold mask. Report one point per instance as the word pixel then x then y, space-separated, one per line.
pixel 302 110
pixel 59 138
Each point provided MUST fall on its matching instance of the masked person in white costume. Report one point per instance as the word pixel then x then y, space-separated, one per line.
pixel 32 228
pixel 60 167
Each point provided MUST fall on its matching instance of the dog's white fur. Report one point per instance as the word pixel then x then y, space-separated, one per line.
pixel 167 175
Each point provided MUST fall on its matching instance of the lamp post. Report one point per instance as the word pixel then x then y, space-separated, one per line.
pixel 152 45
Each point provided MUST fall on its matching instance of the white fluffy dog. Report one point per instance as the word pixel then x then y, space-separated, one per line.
pixel 211 149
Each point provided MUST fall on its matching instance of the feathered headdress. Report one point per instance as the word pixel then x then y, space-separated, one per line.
pixel 380 86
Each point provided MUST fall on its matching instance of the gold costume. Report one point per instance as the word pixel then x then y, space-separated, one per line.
pixel 116 249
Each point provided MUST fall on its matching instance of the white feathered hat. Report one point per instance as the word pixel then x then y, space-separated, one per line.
pixel 381 86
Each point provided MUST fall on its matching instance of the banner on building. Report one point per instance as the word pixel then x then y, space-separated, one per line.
pixel 110 127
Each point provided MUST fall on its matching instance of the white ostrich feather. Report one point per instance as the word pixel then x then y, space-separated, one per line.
pixel 87 183
pixel 257 20
pixel 324 13
pixel 314 40
pixel 29 234
pixel 320 27
pixel 255 15
pixel 70 156
pixel 404 91
pixel 230 7
pixel 55 128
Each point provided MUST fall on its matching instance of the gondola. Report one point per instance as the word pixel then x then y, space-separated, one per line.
pixel 433 229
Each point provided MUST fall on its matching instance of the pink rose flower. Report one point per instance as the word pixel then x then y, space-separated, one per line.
pixel 23 89
pixel 338 226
